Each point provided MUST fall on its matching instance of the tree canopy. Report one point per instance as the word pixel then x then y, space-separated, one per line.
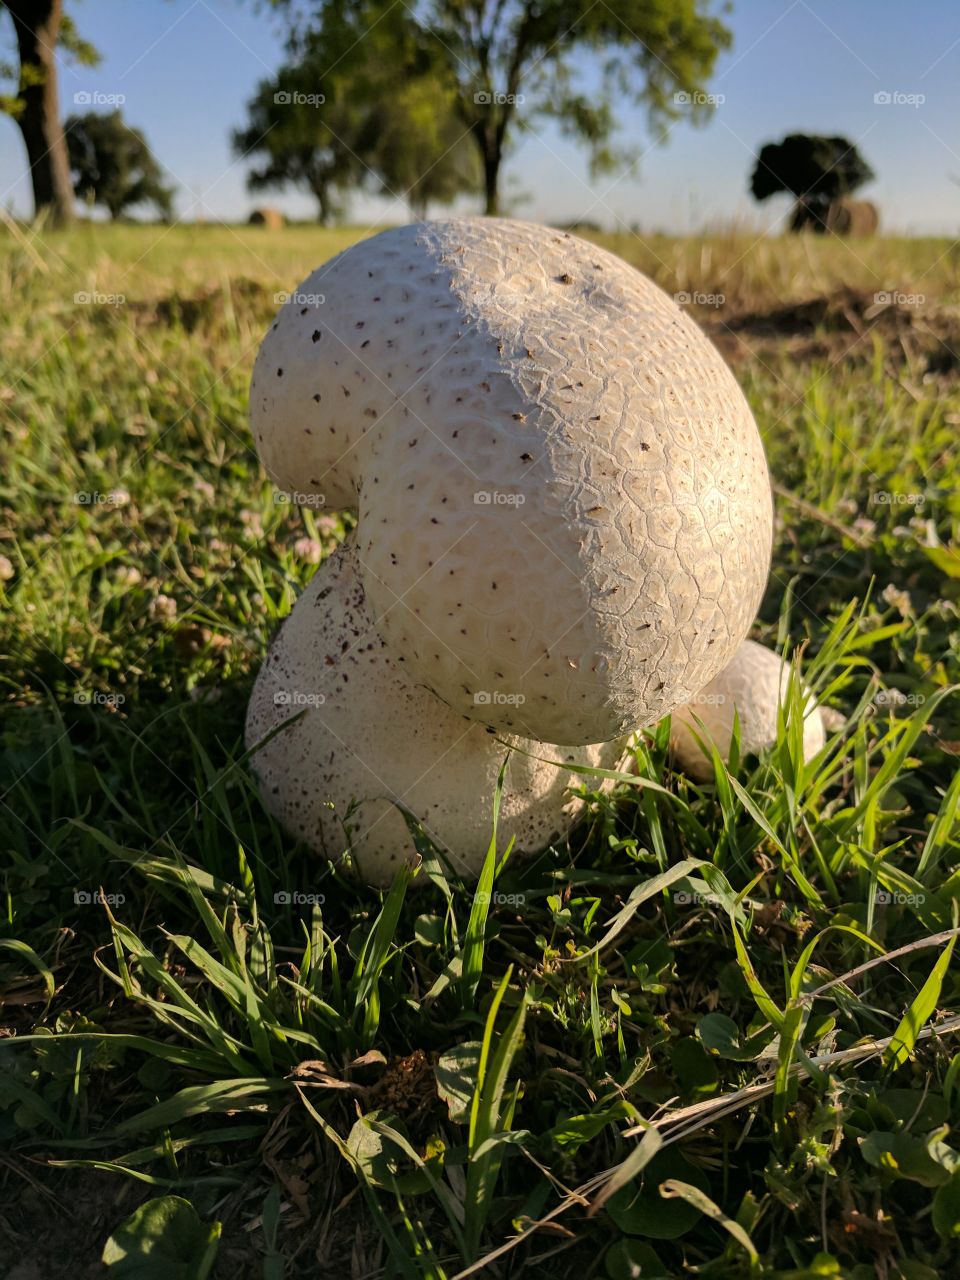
pixel 809 166
pixel 360 104
pixel 297 142
pixel 511 61
pixel 113 166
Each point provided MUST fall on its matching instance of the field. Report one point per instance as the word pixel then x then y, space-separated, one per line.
pixel 714 1034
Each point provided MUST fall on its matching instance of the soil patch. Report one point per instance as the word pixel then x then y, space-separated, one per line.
pixel 843 325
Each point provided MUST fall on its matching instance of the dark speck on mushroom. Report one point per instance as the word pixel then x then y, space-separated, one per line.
pixel 316 335
pixel 279 373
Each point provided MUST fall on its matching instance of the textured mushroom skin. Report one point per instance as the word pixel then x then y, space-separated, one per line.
pixel 368 738
pixel 753 683
pixel 562 493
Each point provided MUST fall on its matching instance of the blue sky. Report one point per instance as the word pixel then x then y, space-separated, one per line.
pixel 187 67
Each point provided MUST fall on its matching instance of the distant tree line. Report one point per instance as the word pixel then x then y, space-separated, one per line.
pixel 421 102
pixel 425 102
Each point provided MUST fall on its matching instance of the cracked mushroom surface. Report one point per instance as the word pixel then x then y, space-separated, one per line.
pixel 754 684
pixel 564 511
pixel 367 739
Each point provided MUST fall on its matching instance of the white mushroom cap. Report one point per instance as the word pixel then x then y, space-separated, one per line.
pixel 368 738
pixel 562 493
pixel 754 683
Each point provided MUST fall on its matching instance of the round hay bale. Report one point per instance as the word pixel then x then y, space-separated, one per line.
pixel 272 219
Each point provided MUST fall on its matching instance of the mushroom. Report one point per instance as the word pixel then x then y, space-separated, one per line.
pixel 563 507
pixel 364 744
pixel 754 684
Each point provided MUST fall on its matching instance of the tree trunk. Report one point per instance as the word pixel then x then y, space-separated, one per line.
pixel 37 24
pixel 809 213
pixel 491 178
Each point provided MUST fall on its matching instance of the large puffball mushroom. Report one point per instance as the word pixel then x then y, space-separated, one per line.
pixel 564 511
pixel 754 684
pixel 364 740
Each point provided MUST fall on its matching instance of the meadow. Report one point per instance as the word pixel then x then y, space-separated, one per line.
pixel 714 1033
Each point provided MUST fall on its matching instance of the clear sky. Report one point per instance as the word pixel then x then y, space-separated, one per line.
pixel 187 67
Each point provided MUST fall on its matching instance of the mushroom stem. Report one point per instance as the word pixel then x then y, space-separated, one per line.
pixel 364 743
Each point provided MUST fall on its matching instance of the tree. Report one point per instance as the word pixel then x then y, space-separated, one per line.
pixel 512 60
pixel 306 134
pixel 419 147
pixel 38 25
pixel 113 166
pixel 360 104
pixel 816 170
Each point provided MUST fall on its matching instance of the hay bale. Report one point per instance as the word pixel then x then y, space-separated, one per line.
pixel 846 217
pixel 272 219
pixel 842 216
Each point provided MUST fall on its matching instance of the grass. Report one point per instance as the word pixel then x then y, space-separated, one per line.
pixel 713 1033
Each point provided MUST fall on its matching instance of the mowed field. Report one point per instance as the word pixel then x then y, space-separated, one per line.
pixel 757 972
